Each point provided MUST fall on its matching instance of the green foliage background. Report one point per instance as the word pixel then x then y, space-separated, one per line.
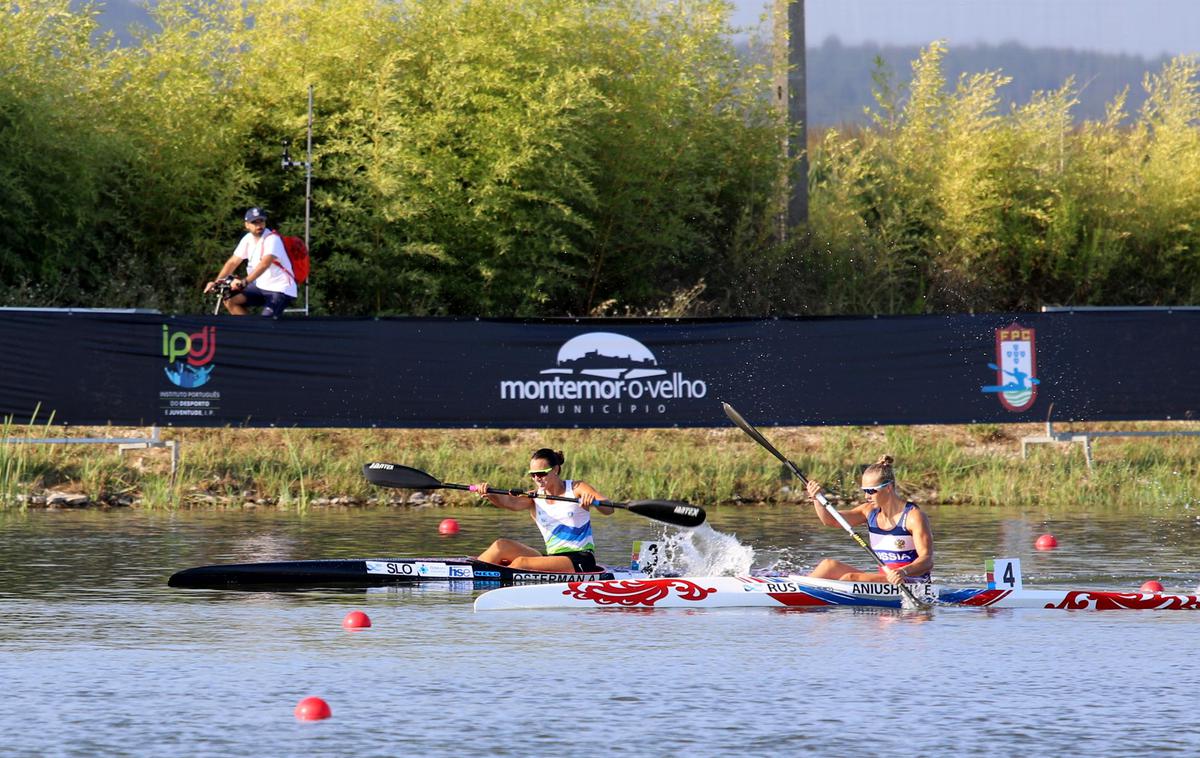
pixel 561 157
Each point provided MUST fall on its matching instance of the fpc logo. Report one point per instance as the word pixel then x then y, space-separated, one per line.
pixel 1016 368
pixel 189 356
pixel 602 373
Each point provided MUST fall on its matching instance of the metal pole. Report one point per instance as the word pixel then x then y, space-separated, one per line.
pixel 308 187
pixel 288 163
pixel 791 98
pixel 797 116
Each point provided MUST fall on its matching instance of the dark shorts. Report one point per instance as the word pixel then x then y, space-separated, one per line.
pixel 582 560
pixel 273 303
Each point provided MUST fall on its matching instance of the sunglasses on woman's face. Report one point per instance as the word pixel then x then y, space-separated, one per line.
pixel 876 488
pixel 536 473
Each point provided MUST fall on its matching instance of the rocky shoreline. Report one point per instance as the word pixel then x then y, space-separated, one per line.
pixel 56 500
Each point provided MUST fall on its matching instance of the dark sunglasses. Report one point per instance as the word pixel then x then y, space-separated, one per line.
pixel 541 472
pixel 876 488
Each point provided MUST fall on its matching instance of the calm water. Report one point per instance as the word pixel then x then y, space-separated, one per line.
pixel 99 657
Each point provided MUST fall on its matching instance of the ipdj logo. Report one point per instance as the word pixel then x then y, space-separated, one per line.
pixel 604 373
pixel 1015 367
pixel 189 356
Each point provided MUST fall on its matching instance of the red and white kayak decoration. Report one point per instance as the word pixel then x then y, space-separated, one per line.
pixel 807 592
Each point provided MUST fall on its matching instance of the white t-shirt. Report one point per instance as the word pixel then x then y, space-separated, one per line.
pixel 274 279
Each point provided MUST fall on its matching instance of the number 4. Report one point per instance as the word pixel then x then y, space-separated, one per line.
pixel 1005 573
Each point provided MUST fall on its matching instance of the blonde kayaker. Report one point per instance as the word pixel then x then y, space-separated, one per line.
pixel 899 531
pixel 566 526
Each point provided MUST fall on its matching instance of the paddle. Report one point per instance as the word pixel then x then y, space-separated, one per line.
pixel 755 435
pixel 394 475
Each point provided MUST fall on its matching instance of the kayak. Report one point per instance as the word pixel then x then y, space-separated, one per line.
pixel 463 571
pixel 807 592
pixel 369 572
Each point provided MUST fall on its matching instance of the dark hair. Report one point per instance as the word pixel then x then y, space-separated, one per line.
pixel 553 457
pixel 882 468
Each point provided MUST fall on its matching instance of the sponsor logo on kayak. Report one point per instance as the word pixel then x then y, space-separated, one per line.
pixel 602 374
pixel 421 569
pixel 189 367
pixel 435 570
pixel 1016 368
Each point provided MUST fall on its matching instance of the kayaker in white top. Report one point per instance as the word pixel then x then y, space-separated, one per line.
pixel 899 531
pixel 566 527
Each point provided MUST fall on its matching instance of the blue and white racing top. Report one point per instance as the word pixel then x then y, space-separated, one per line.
pixel 896 546
pixel 566 527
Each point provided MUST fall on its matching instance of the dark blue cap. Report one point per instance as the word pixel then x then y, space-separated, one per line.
pixel 255 214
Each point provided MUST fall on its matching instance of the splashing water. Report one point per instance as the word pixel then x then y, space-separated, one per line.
pixel 703 551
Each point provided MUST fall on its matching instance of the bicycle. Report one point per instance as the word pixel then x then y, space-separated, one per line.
pixel 224 290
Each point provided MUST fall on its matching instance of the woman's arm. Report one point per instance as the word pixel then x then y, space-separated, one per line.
pixel 507 502
pixel 923 539
pixel 587 494
pixel 853 517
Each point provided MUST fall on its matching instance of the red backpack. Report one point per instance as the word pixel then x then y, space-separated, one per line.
pixel 297 253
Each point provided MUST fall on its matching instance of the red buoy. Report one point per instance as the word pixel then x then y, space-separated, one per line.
pixel 448 526
pixel 356 620
pixel 1046 542
pixel 1152 585
pixel 313 709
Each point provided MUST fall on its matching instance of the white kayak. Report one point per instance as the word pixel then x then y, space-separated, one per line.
pixel 807 592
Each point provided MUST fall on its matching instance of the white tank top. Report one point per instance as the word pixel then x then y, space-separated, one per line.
pixel 566 527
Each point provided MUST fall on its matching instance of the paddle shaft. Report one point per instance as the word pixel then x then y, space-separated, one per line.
pixel 522 493
pixel 679 514
pixel 757 436
pixel 672 512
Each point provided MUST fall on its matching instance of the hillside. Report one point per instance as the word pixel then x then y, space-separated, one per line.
pixel 839 80
pixel 839 76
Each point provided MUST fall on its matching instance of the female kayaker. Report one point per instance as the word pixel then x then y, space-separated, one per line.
pixel 566 526
pixel 899 531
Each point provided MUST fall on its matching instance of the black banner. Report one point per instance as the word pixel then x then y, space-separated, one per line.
pixel 140 369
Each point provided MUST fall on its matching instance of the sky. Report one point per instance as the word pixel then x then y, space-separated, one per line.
pixel 1139 27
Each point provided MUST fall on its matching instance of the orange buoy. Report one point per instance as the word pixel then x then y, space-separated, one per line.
pixel 356 620
pixel 1046 542
pixel 313 709
pixel 448 526
pixel 1152 585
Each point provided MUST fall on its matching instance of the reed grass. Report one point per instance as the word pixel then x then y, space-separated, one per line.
pixel 12 466
pixel 977 466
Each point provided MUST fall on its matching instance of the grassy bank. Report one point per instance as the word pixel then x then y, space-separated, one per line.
pixel 301 468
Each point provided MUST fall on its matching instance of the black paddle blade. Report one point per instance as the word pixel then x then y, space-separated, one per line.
pixel 673 512
pixel 756 435
pixel 400 477
pixel 749 429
